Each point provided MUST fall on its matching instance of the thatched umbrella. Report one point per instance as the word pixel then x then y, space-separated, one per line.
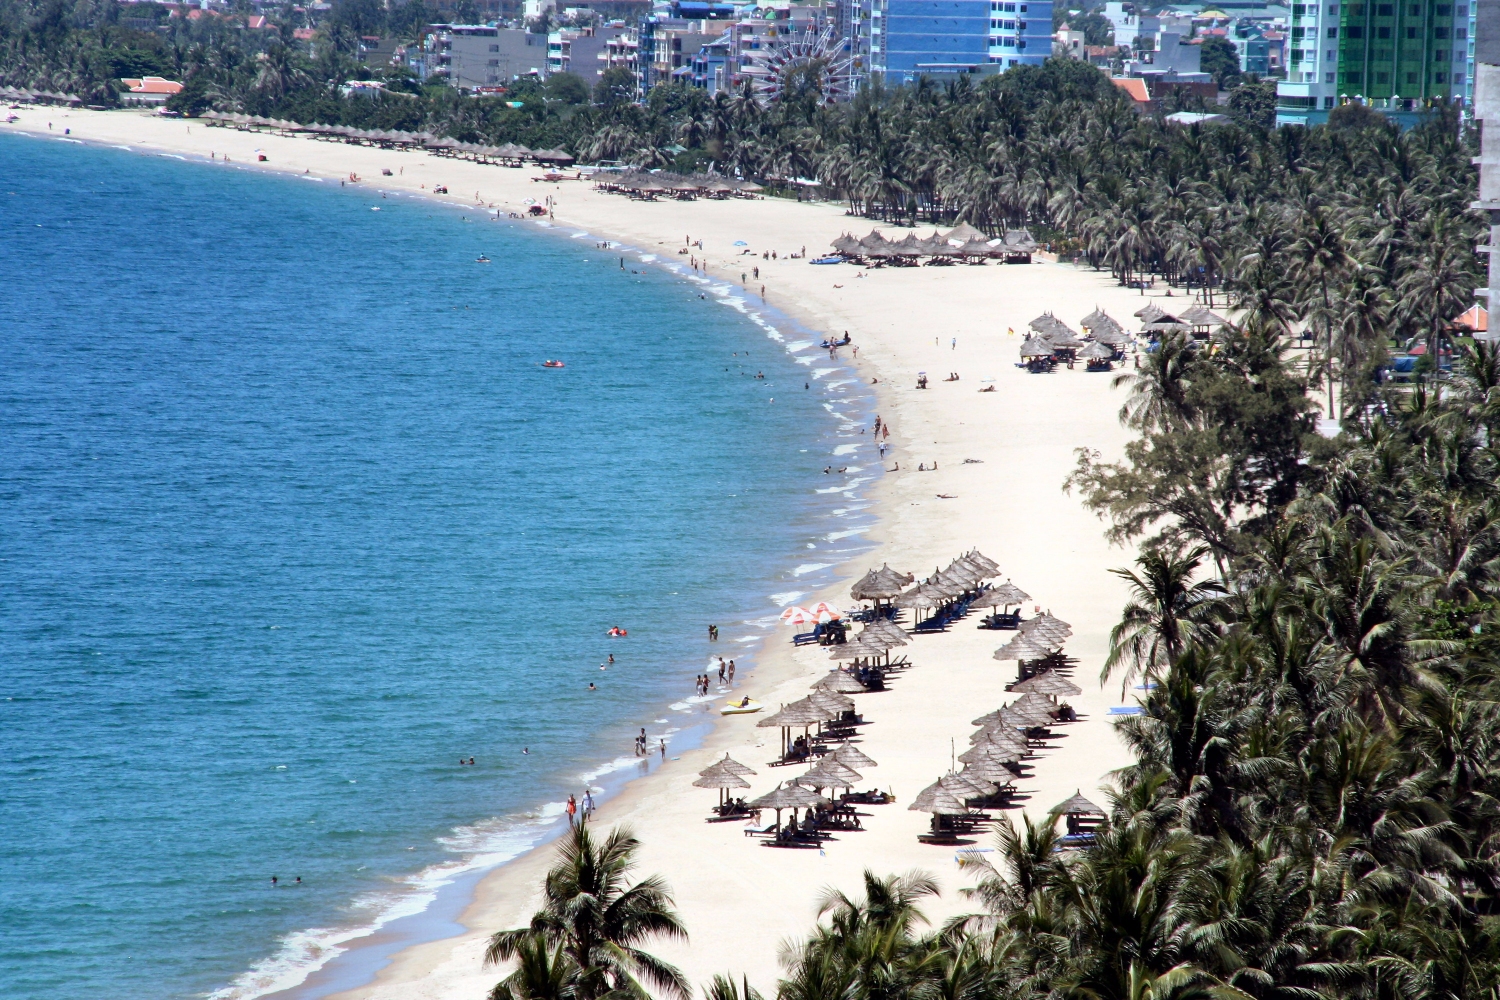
pixel 887 630
pixel 1033 704
pixel 787 796
pixel 1047 620
pixel 939 801
pixel 850 756
pixel 1036 347
pixel 730 765
pixel 833 703
pixel 840 682
pixel 1049 684
pixel 993 753
pixel 1096 318
pixel 722 780
pixel 1022 648
pixel 801 713
pixel 1012 593
pixel 1149 312
pixel 1076 806
pixel 990 770
pixel 1097 352
pixel 847 245
pixel 972 787
pixel 963 233
pixel 830 773
pixel 1075 809
pixel 1045 634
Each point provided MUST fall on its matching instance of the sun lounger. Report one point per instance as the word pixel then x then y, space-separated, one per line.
pixel 755 830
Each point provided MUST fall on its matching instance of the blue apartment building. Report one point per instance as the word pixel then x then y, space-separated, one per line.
pixel 941 38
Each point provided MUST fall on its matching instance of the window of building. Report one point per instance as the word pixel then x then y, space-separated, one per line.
pixel 1385 10
pixel 1354 76
pixel 1443 10
pixel 1298 32
pixel 1457 79
pixel 1460 32
pixel 1333 32
pixel 1331 54
pixel 1440 55
pixel 1440 78
pixel 1411 32
pixel 1382 78
pixel 494 48
pixel 492 62
pixel 1328 78
pixel 1355 31
pixel 1296 55
pixel 1411 78
pixel 1462 10
pixel 1299 10
pixel 1382 32
pixel 1333 10
pixel 1439 32
pixel 1415 10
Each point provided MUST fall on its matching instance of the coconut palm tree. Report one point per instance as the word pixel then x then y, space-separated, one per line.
pixel 595 918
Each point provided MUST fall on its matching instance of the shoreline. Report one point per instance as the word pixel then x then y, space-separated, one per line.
pixel 1019 441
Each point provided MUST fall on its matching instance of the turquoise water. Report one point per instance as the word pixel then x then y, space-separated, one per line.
pixel 291 519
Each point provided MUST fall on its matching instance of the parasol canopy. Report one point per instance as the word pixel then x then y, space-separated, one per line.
pixel 797 616
pixel 788 796
pixel 939 800
pixel 1023 648
pixel 840 682
pixel 1048 683
pixel 851 756
pixel 829 773
pixel 1077 806
pixel 721 779
pixel 1097 352
pixel 729 764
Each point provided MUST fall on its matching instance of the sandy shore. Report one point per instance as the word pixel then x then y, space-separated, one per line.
pixel 1001 458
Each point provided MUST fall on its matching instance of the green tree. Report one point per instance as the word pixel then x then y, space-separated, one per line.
pixel 593 919
pixel 1219 58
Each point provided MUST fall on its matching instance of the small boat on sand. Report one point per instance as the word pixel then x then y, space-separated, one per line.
pixel 742 707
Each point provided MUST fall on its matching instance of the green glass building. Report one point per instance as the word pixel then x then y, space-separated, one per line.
pixel 1398 57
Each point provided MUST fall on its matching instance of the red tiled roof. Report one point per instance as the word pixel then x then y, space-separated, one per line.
pixel 1133 86
pixel 152 85
pixel 255 21
pixel 1476 319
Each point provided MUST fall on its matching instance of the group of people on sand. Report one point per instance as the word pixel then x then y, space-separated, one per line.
pixel 726 677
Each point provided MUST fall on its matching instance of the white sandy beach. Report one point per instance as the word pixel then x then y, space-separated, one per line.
pixel 740 900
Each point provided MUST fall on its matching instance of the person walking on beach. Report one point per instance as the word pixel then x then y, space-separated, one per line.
pixel 731 673
pixel 572 809
pixel 588 803
pixel 721 671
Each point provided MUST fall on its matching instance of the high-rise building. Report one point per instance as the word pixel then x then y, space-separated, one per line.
pixel 1398 57
pixel 909 39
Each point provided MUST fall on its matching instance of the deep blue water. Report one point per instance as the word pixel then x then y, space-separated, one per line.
pixel 291 519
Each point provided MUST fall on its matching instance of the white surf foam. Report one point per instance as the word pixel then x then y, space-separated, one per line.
pixel 810 568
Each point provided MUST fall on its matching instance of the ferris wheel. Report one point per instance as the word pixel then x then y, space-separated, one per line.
pixel 811 56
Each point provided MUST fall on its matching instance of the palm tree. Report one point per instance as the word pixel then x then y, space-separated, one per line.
pixel 596 920
pixel 1166 609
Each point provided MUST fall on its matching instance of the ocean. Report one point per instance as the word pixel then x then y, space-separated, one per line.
pixel 292 520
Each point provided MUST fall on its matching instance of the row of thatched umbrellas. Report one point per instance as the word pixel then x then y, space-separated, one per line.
pixel 964 575
pixel 834 770
pixel 442 145
pixel 646 184
pixel 1052 337
pixel 1195 318
pixel 38 96
pixel 963 241
pixel 1002 739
